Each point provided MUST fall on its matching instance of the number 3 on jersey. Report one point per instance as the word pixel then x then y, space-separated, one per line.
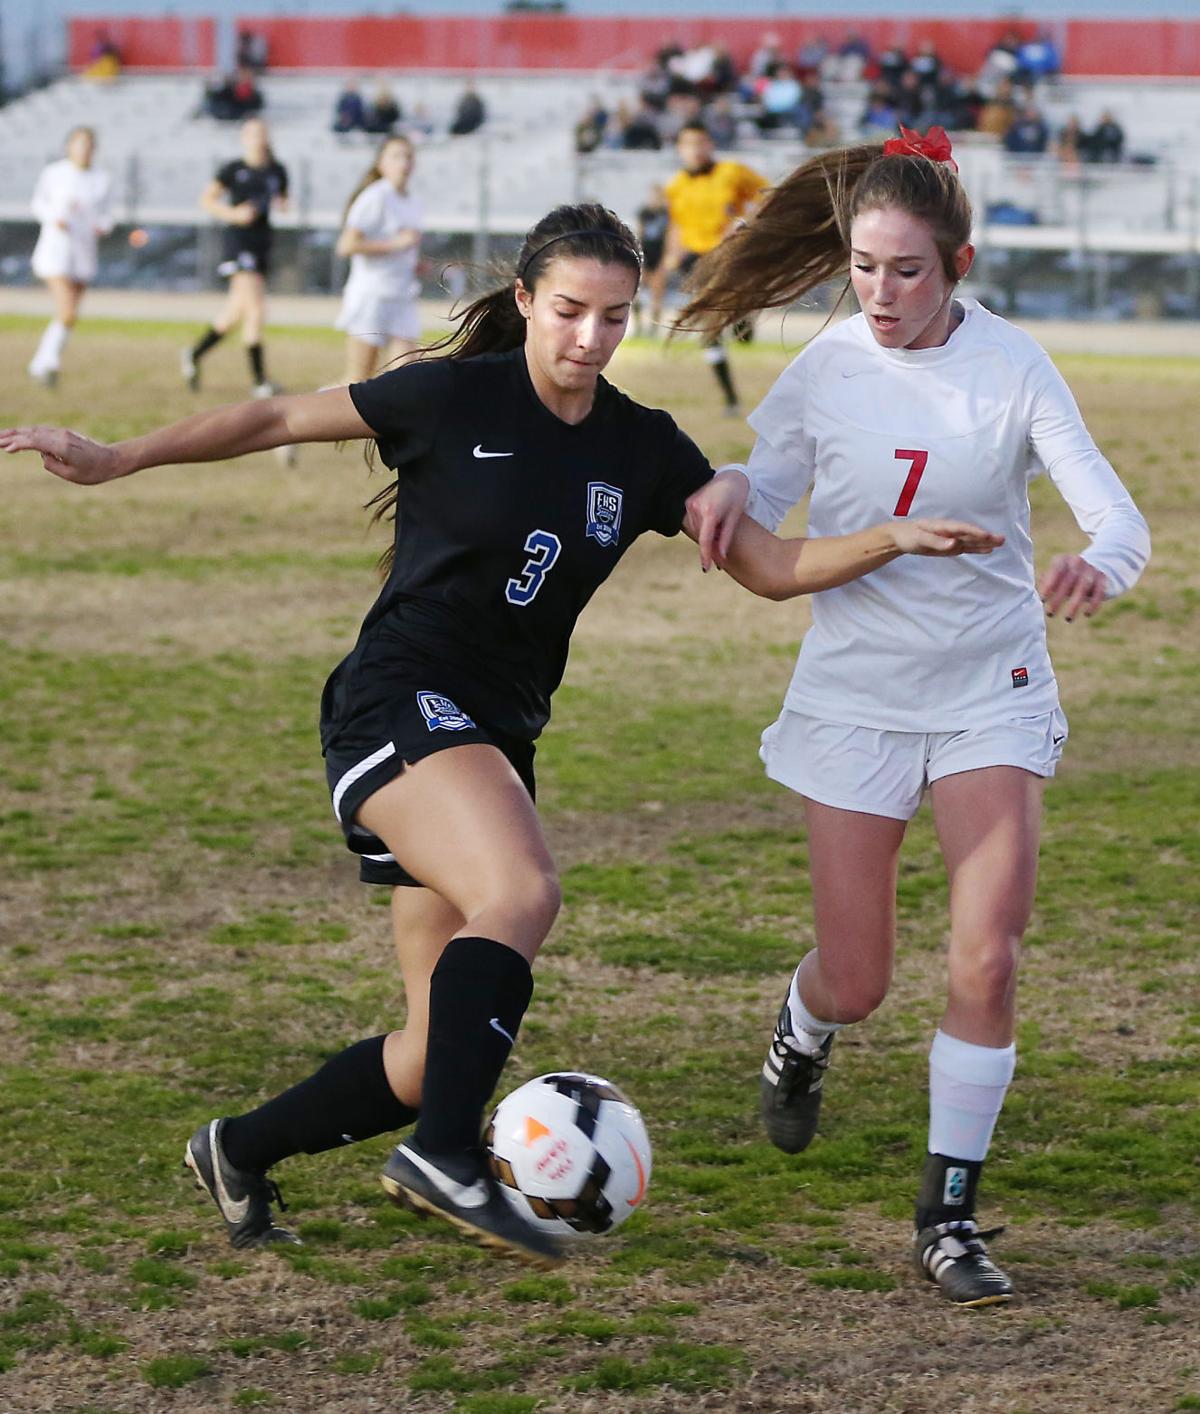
pixel 916 470
pixel 543 549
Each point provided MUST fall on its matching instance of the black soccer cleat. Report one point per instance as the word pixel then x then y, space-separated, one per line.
pixel 790 1088
pixel 953 1255
pixel 243 1198
pixel 423 1182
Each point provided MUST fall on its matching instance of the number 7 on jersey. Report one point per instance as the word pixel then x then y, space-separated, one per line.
pixel 916 470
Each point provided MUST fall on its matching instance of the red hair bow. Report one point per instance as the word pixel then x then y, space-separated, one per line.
pixel 935 145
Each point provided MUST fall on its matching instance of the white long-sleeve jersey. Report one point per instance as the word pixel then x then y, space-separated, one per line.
pixel 928 644
pixel 73 205
pixel 380 212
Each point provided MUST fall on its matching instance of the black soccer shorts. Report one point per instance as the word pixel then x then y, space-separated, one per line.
pixel 370 744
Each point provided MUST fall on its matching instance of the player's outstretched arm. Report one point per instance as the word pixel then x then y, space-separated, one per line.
pixel 782 569
pixel 215 435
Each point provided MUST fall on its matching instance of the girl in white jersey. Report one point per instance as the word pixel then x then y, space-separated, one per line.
pixel 382 235
pixel 910 679
pixel 71 200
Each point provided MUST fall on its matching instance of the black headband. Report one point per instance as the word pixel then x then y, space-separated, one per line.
pixel 570 235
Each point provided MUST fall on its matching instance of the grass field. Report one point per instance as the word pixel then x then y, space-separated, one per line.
pixel 182 933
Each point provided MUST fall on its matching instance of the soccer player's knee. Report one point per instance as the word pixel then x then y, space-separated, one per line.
pixel 989 975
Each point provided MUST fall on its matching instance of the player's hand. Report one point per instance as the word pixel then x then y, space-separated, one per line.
pixel 943 537
pixel 64 453
pixel 713 513
pixel 405 239
pixel 244 214
pixel 1071 584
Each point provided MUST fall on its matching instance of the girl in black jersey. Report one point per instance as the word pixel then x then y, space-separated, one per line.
pixel 521 477
pixel 242 196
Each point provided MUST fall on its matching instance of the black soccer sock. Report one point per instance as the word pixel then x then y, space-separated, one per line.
pixel 947 1190
pixel 477 996
pixel 720 366
pixel 209 339
pixel 254 352
pixel 347 1100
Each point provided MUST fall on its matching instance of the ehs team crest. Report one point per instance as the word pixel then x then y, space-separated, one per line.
pixel 604 513
pixel 442 714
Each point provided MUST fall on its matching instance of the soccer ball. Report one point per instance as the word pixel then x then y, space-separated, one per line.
pixel 570 1153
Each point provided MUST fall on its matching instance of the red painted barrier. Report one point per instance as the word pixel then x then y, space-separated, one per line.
pixel 168 43
pixel 1132 47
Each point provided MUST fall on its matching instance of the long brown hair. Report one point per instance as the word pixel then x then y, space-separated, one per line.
pixel 373 174
pixel 492 323
pixel 800 236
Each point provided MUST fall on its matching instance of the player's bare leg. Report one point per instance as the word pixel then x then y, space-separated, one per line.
pixel 422 924
pixel 988 823
pixel 462 821
pixel 66 295
pixel 362 359
pixel 853 865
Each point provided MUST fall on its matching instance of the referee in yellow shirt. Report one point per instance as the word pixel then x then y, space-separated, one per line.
pixel 704 199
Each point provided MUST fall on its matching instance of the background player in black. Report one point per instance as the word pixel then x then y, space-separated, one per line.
pixel 521 478
pixel 242 196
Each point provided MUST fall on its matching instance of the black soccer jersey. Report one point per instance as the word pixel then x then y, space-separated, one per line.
pixel 259 185
pixel 508 520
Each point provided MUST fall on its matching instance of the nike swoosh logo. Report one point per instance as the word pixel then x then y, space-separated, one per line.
pixel 480 453
pixel 494 1023
pixel 231 1211
pixel 855 372
pixel 462 1195
pixel 641 1173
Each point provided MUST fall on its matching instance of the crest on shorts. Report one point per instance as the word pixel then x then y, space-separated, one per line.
pixel 604 513
pixel 441 714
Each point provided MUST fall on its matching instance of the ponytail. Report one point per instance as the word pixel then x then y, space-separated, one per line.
pixel 799 237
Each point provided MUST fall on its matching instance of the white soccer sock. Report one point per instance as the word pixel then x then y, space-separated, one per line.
pixel 49 350
pixel 809 1030
pixel 967 1085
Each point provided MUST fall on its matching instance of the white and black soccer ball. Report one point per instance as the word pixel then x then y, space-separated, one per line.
pixel 570 1153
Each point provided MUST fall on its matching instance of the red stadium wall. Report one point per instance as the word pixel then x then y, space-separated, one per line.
pixel 145 43
pixel 1144 47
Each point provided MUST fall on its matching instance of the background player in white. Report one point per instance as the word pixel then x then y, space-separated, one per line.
pixel 434 786
pixel 381 234
pixel 71 200
pixel 911 679
pixel 242 197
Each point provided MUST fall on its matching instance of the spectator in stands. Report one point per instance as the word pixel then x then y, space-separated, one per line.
pixel 104 58
pixel 1106 141
pixel 655 85
pixel 1038 58
pixel 251 51
pixel 910 100
pixel 1028 135
pixel 926 63
pixel 233 98
pixel 822 129
pixel 721 122
pixel 681 110
pixel 880 117
pixel 590 129
pixel 383 112
pixel 349 112
pixel 893 65
pixel 781 102
pixel 1001 61
pixel 851 61
pixel 639 132
pixel 470 113
pixel 812 54
pixel 999 112
pixel 766 58
pixel 1070 144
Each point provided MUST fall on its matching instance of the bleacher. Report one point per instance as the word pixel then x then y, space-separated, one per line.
pixel 504 177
